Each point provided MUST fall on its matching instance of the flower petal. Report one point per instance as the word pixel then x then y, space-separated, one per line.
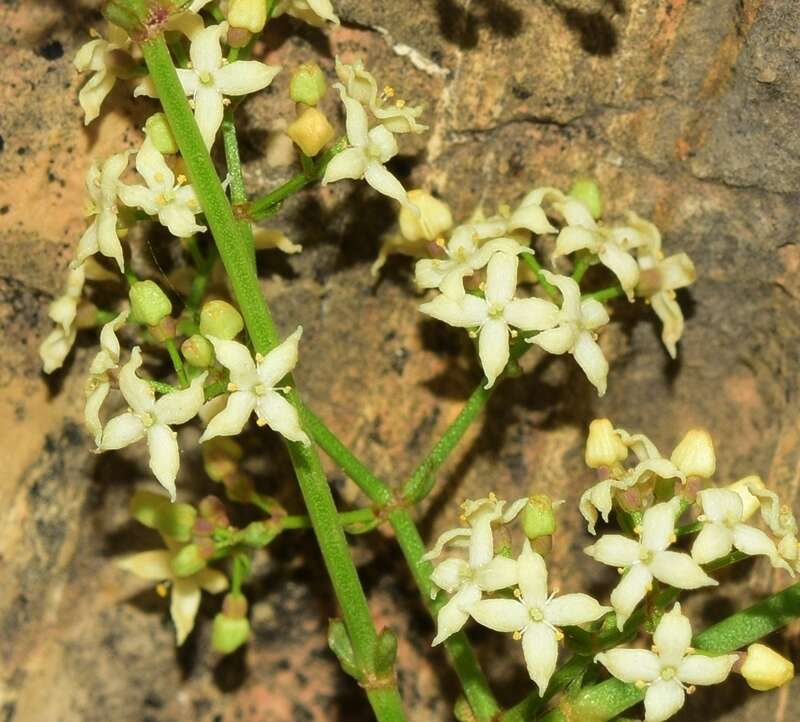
pixel 450 574
pixel 281 360
pixel 713 541
pixel 570 293
pixel 615 550
pixel 501 615
pixel 540 649
pixel 350 163
pixel 468 312
pixel 631 589
pixel 572 609
pixel 208 111
pixel 137 392
pixel 91 410
pixel 493 349
pixel 121 431
pixel 453 615
pixel 532 576
pixel 275 411
pixel 531 314
pixel 700 669
pixel 501 278
pixel 179 219
pixel 499 573
pixel 749 540
pixel 205 51
pixel 152 565
pixel 183 607
pixel 231 420
pixel 150 164
pixel 589 357
pixel 236 358
pixel 631 665
pixel 673 637
pixel 532 218
pixel 658 525
pixel 721 505
pixel 178 407
pixel 384 182
pixel 211 580
pixel 622 265
pixel 679 570
pixel 575 238
pixel 356 122
pixel 244 76
pixel 164 456
pixel 382 141
pixel 662 700
pixel 556 340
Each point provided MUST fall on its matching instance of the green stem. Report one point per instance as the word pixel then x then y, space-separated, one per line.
pixel 177 362
pixel 302 521
pixel 237 259
pixel 605 294
pixel 530 260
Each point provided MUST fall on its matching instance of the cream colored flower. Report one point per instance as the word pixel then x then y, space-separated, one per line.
pixel 152 420
pixel 368 152
pixel 103 185
pixel 253 387
pixel 535 617
pixel 313 12
pixel 646 559
pixel 493 317
pixel 669 668
pixel 611 245
pixel 62 311
pixel 571 330
pixel 99 382
pixel 185 594
pixel 174 202
pixel 96 57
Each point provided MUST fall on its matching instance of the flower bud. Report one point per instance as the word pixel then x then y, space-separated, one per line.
pixel 604 448
pixel 198 351
pixel 221 457
pixel 538 519
pixel 258 533
pixel 385 653
pixel 220 319
pixel 587 191
pixel 765 669
pixel 694 455
pixel 239 487
pixel 230 632
pixel 750 502
pixel 212 508
pixel 164 330
pixel 433 220
pixel 146 507
pixel 308 84
pixel 187 561
pixel 158 130
pixel 311 131
pixel 248 15
pixel 149 304
pixel 177 521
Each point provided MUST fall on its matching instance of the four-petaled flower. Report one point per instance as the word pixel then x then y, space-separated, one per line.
pixel 536 617
pixel 155 565
pixel 151 419
pixel 493 316
pixel 368 151
pixel 98 56
pixel 174 202
pixel 723 529
pixel 667 670
pixel 103 185
pixel 648 558
pixel 313 12
pixel 571 327
pixel 99 382
pixel 253 386
pixel 62 311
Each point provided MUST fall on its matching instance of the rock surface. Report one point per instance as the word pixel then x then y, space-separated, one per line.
pixel 684 111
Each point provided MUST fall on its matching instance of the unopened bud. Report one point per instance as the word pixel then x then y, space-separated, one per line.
pixel 187 561
pixel 750 502
pixel 538 518
pixel 239 487
pixel 177 521
pixel 258 534
pixel 221 457
pixel 247 14
pixel 385 653
pixel 220 319
pixel 231 628
pixel 308 84
pixel 604 447
pixel 212 508
pixel 164 330
pixel 149 304
pixel 198 351
pixel 158 130
pixel 587 191
pixel 765 669
pixel 311 131
pixel 238 37
pixel 433 220
pixel 146 506
pixel 694 455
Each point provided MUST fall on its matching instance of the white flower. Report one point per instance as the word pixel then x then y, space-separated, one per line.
pixel 666 670
pixel 99 382
pixel 210 78
pixel 368 151
pixel 611 245
pixel 253 388
pixel 536 617
pixel 63 310
pixel 493 316
pixel 571 330
pixel 96 56
pixel 723 529
pixel 184 591
pixel 103 185
pixel 174 202
pixel 151 419
pixel 648 558
pixel 313 12
pixel 395 115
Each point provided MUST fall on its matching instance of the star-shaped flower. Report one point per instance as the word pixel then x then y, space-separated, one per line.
pixel 155 565
pixel 536 617
pixel 150 419
pixel 368 152
pixel 99 382
pixel 98 57
pixel 667 670
pixel 63 310
pixel 313 12
pixel 648 558
pixel 493 316
pixel 174 202
pixel 723 529
pixel 253 386
pixel 103 185
pixel 571 330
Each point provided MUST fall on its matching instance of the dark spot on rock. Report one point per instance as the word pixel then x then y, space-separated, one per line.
pixel 521 93
pixel 301 713
pixel 2 143
pixel 9 711
pixel 22 150
pixel 4 210
pixel 153 700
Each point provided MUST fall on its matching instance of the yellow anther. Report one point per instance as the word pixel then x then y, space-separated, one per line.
pixel 518 593
pixel 559 635
pixel 440 242
pixel 161 589
pixel 159 177
pixel 517 636
pixel 514 333
pixel 233 387
pixel 691 689
pixel 181 179
pixel 93 33
pixel 637 529
pixel 261 422
pixel 388 91
pixel 400 103
pixel 640 684
pixel 259 358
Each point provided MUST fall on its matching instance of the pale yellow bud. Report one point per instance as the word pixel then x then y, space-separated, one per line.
pixel 765 669
pixel 249 15
pixel 311 131
pixel 433 220
pixel 604 446
pixel 750 502
pixel 694 455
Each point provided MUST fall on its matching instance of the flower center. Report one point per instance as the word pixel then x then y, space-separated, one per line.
pixel 147 419
pixel 206 78
pixel 645 556
pixel 260 389
pixel 496 310
pixel 667 673
pixel 536 614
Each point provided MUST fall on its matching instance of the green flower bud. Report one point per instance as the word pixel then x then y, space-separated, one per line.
pixel 258 534
pixel 221 457
pixel 248 15
pixel 149 304
pixel 146 507
pixel 587 191
pixel 198 351
pixel 228 634
pixel 308 84
pixel 212 508
pixel 158 130
pixel 538 519
pixel 220 319
pixel 187 561
pixel 177 521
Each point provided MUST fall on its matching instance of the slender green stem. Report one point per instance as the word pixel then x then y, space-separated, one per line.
pixel 177 362
pixel 302 521
pixel 581 266
pixel 102 317
pixel 530 260
pixel 605 294
pixel 194 251
pixel 237 257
